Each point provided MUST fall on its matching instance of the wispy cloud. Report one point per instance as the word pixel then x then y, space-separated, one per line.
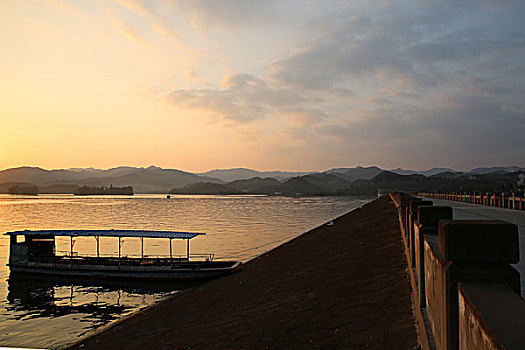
pixel 303 117
pixel 229 14
pixel 159 22
pixel 126 30
pixel 241 98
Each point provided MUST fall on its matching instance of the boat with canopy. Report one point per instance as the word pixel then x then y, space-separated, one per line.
pixel 35 252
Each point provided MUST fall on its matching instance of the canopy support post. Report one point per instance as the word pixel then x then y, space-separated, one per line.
pixel 71 252
pixel 142 247
pixel 119 252
pixel 188 249
pixel 98 245
pixel 171 255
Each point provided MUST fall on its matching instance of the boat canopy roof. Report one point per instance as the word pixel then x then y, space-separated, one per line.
pixel 108 233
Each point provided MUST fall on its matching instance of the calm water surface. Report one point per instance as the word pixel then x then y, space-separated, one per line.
pixel 51 313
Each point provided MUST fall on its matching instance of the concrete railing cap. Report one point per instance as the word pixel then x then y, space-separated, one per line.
pixel 430 215
pixel 488 241
pixel 416 204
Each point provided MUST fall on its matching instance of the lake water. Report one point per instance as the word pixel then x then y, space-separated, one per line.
pixel 48 313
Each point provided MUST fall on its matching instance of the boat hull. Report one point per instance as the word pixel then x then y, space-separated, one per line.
pixel 125 272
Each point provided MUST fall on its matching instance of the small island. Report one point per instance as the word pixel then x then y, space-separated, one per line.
pixel 23 189
pixel 103 190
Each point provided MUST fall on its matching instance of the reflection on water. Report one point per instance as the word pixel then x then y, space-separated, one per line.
pixel 94 304
pixel 32 299
pixel 53 312
pixel 39 296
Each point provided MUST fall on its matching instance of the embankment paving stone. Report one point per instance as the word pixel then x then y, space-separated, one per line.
pixel 342 286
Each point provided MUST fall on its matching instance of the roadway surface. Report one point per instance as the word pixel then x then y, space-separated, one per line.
pixel 466 211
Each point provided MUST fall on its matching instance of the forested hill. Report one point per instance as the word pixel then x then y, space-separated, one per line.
pixel 334 184
pixel 358 180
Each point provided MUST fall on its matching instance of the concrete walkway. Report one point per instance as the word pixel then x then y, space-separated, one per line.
pixel 466 211
pixel 342 286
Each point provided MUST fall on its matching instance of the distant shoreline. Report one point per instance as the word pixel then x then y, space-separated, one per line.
pixel 99 194
pixel 364 181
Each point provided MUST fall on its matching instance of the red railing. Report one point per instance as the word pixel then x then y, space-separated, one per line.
pixel 490 199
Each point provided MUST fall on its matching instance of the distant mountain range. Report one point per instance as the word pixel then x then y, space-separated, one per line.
pixel 428 172
pixel 337 184
pixel 239 180
pixel 243 174
pixel 143 180
pixel 350 174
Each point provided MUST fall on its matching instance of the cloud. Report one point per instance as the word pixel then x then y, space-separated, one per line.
pixel 142 8
pixel 344 57
pixel 421 78
pixel 477 124
pixel 207 14
pixel 160 22
pixel 126 30
pixel 191 75
pixel 303 117
pixel 379 125
pixel 416 47
pixel 241 98
pixel 451 129
pixel 249 135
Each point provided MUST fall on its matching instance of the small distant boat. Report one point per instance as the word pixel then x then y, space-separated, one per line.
pixel 34 252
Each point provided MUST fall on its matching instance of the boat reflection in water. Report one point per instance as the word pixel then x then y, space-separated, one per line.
pixel 62 301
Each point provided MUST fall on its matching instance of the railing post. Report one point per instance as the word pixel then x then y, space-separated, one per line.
pixel 414 205
pixel 427 224
pixel 465 251
pixel 407 214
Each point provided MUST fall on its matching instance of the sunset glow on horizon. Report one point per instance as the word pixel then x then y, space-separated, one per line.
pixel 289 85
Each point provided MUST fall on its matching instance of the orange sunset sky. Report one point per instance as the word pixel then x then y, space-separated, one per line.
pixel 290 85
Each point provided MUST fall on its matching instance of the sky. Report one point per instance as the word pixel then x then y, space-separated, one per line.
pixel 290 85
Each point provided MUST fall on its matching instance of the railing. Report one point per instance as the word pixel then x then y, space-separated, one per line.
pixel 459 271
pixel 75 257
pixel 489 199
